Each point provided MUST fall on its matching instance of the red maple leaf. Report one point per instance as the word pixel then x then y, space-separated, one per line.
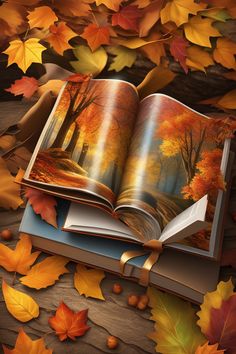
pixel 25 86
pixel 178 48
pixel 222 328
pixel 127 18
pixel 68 323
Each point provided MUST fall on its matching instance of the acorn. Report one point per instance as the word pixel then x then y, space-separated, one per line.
pixel 6 234
pixel 112 342
pixel 117 288
pixel 133 300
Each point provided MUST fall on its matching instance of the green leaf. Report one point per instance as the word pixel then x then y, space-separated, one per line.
pixel 89 62
pixel 176 331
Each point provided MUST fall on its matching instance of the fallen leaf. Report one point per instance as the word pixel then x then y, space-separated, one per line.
pixel 178 48
pixel 178 11
pixel 96 35
pixel 154 51
pixel 24 344
pixel 198 58
pixel 216 14
pixel 25 86
pixel 175 324
pixel 229 258
pixel 225 52
pixel 72 8
pixel 150 16
pixel 206 348
pixel 67 323
pixel 198 30
pixel 59 37
pixel 87 281
pixel 11 18
pixel 20 259
pixel 45 273
pixel 123 57
pixel 43 204
pixel 127 18
pixel 222 327
pixel 42 17
pixel 134 43
pixel 228 101
pixel 20 305
pixel 52 85
pixel 110 4
pixel 213 300
pixel 89 62
pixel 24 53
pixel 9 190
pixel 155 80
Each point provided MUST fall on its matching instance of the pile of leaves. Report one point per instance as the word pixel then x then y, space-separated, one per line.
pixel 95 34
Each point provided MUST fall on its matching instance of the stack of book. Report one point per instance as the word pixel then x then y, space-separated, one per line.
pixel 127 172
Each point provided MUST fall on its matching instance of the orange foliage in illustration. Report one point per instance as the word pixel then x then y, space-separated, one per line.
pixel 209 178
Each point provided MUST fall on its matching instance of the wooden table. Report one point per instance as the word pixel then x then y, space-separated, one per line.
pixel 110 317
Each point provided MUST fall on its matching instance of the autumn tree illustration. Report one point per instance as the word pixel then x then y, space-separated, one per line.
pixel 75 108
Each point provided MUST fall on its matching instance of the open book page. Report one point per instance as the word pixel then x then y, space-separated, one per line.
pixel 174 160
pixel 84 144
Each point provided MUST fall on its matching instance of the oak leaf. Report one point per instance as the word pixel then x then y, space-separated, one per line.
pixel 45 273
pixel 178 11
pixel 24 344
pixel 87 281
pixel 178 48
pixel 9 190
pixel 24 53
pixel 228 101
pixel 123 57
pixel 67 323
pixel 89 62
pixel 127 18
pixel 225 52
pixel 43 204
pixel 155 79
pixel 96 35
pixel 72 8
pixel 25 86
pixel 213 300
pixel 175 324
pixel 42 17
pixel 199 30
pixel 198 58
pixel 206 348
pixel 20 259
pixel 59 37
pixel 20 305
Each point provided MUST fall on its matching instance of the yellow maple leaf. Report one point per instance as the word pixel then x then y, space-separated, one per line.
pixel 87 281
pixel 42 17
pixel 24 53
pixel 175 324
pixel 213 300
pixel 123 57
pixel 20 259
pixel 20 305
pixel 59 37
pixel 198 58
pixel 179 10
pixel 199 30
pixel 155 79
pixel 24 344
pixel 89 62
pixel 225 52
pixel 9 191
pixel 45 273
pixel 228 101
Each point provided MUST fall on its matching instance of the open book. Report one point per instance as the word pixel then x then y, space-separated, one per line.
pixel 137 169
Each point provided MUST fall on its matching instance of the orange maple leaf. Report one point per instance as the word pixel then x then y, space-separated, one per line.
pixel 67 323
pixel 96 35
pixel 127 18
pixel 25 86
pixel 59 37
pixel 42 17
pixel 24 344
pixel 43 204
pixel 20 259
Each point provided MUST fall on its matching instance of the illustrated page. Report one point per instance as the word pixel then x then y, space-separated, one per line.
pixel 174 160
pixel 86 143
